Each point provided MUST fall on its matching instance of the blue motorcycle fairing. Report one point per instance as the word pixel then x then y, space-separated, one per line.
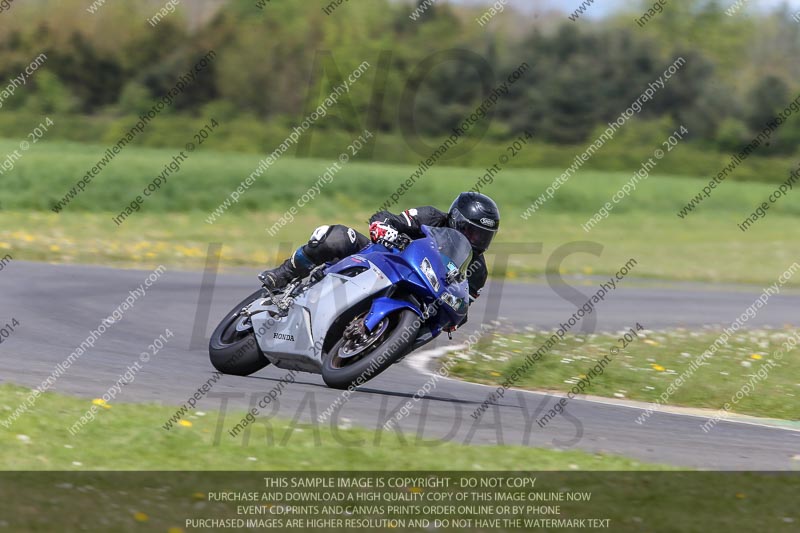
pixel 392 263
pixel 383 307
pixel 356 260
pixel 404 268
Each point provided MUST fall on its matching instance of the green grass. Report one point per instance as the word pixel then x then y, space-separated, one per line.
pixel 689 502
pixel 169 474
pixel 48 170
pixel 171 228
pixel 630 146
pixel 648 366
pixel 692 250
pixel 131 437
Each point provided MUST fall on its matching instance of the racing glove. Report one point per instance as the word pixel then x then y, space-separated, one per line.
pixel 381 231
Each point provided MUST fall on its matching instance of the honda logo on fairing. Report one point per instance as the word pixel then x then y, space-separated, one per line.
pixel 283 337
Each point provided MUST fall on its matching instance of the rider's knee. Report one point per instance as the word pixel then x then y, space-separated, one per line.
pixel 318 236
pixel 330 242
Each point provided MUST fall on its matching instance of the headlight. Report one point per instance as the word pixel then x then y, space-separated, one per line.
pixel 427 269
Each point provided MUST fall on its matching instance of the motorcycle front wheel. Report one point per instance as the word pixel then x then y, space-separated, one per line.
pixel 359 356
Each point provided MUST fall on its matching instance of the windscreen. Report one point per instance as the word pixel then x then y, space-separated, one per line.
pixel 453 246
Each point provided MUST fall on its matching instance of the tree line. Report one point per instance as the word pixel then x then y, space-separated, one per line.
pixel 276 62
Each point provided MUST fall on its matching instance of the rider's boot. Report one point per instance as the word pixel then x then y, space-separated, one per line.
pixel 297 266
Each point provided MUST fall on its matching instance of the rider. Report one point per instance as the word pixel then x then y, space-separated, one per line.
pixel 475 215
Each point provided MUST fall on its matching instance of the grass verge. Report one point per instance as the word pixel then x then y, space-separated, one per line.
pixel 693 250
pixel 648 366
pixel 130 437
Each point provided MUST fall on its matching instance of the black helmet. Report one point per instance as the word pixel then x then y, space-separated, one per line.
pixel 477 217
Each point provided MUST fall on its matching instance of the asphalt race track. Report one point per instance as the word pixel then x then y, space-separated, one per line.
pixel 58 305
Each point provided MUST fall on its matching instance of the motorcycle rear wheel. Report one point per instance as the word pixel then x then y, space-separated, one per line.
pixel 235 350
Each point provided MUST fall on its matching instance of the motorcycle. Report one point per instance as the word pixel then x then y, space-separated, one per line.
pixel 351 320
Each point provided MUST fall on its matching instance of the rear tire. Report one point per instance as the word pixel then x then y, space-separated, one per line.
pixel 393 343
pixel 234 351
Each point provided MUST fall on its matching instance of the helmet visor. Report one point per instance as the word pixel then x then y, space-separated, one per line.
pixel 479 237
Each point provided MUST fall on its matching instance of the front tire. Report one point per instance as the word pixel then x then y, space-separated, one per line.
pixel 233 348
pixel 396 334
